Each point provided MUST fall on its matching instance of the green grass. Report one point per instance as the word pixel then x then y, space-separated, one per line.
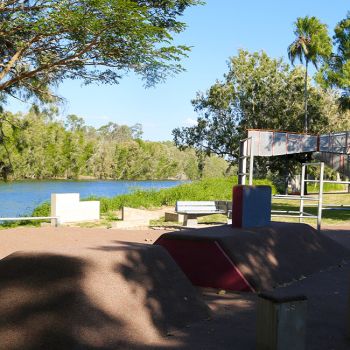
pixel 207 219
pixel 41 210
pixel 327 187
pixel 207 189
pixel 329 217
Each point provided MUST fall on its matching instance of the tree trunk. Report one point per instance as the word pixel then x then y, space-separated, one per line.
pixel 306 122
pixel 306 97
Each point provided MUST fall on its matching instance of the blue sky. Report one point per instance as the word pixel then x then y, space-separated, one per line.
pixel 216 31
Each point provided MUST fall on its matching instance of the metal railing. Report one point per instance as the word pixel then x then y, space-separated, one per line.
pixel 246 151
pixel 54 219
pixel 302 214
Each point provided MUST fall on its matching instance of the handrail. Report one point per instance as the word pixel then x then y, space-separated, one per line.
pixel 21 218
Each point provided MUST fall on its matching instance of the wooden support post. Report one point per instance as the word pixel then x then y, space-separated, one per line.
pixel 281 322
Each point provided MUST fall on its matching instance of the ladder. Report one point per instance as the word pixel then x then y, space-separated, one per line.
pixel 302 214
pixel 246 152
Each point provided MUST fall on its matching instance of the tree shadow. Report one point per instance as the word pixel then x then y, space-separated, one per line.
pixel 44 303
pixel 283 254
pixel 178 309
pixel 341 236
pixel 171 300
pixel 43 306
pixel 267 257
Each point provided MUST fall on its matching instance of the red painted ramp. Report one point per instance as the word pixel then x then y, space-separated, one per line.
pixel 251 259
pixel 205 263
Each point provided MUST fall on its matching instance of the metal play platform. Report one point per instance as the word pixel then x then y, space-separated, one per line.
pixel 332 149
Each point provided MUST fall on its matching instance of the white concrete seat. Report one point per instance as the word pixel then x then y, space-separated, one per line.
pixel 193 209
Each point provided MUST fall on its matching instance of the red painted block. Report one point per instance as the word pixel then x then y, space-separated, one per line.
pixel 206 264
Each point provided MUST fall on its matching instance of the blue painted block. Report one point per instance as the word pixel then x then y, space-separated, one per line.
pixel 251 206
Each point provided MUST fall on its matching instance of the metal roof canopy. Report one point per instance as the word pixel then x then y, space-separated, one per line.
pixel 267 143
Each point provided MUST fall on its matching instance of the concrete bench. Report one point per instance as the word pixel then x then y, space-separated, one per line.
pixel 191 210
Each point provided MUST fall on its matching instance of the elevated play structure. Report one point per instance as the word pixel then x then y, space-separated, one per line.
pixel 332 149
pixel 251 259
pixel 256 254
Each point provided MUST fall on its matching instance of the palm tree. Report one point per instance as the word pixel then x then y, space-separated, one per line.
pixel 312 44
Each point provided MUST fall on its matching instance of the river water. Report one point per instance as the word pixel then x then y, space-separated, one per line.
pixel 20 198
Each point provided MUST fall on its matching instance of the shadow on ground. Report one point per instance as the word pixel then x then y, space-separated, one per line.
pixel 45 304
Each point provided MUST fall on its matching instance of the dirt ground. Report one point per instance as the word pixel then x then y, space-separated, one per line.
pixel 232 324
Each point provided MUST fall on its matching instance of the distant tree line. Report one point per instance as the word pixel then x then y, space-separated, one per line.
pixel 44 42
pixel 37 145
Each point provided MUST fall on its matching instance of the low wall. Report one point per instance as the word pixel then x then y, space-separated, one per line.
pixel 130 214
pixel 68 208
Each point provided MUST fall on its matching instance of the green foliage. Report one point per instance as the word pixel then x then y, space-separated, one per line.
pixel 44 42
pixel 336 70
pixel 312 42
pixel 257 92
pixel 40 147
pixel 207 189
pixel 42 210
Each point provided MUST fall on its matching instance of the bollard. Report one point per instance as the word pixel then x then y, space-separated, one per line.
pixel 281 322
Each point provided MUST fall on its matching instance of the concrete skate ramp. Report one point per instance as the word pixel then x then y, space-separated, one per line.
pixel 120 297
pixel 252 259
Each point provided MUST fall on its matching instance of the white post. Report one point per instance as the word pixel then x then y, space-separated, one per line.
pixel 242 170
pixel 320 198
pixel 302 191
pixel 251 163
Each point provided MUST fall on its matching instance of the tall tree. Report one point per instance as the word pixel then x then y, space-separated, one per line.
pixel 43 42
pixel 258 92
pixel 336 70
pixel 312 44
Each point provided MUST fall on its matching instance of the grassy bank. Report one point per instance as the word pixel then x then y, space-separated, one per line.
pixel 327 187
pixel 329 217
pixel 207 189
